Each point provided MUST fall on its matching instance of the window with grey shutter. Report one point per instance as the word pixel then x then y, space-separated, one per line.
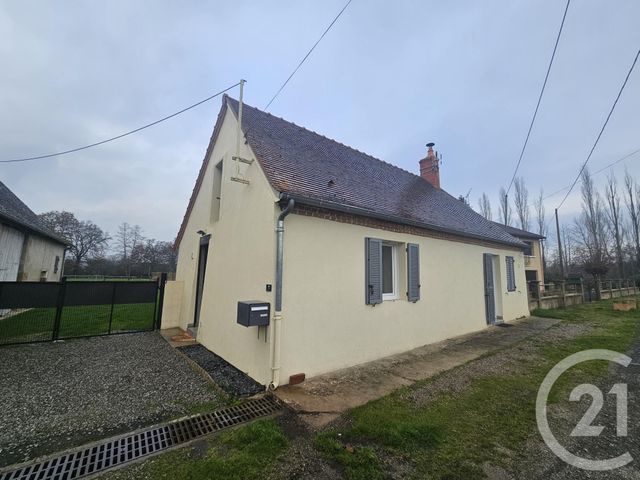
pixel 413 272
pixel 373 271
pixel 511 274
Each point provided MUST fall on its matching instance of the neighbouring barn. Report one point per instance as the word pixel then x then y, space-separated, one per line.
pixel 354 258
pixel 29 252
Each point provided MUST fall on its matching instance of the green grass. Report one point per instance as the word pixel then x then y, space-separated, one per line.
pixel 245 453
pixel 451 437
pixel 37 323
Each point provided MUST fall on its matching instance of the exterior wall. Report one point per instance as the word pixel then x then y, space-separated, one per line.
pixel 11 242
pixel 39 255
pixel 241 258
pixel 326 323
pixel 172 304
pixel 534 262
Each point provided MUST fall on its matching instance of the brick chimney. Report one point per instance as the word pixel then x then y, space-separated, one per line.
pixel 430 167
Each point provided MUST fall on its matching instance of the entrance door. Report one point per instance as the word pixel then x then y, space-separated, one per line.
pixel 489 289
pixel 202 267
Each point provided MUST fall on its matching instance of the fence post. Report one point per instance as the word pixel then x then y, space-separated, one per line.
pixel 160 304
pixel 59 306
pixel 564 293
pixel 539 293
pixel 583 300
pixel 113 300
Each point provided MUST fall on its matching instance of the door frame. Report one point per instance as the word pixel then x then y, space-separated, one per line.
pixel 201 271
pixel 489 273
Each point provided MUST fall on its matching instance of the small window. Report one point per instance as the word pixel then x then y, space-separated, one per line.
pixel 389 271
pixel 511 274
pixel 216 192
pixel 528 250
pixel 56 264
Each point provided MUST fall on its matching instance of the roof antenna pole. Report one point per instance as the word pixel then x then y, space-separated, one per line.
pixel 237 158
pixel 239 131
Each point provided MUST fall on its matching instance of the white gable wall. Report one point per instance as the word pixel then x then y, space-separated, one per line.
pixel 241 258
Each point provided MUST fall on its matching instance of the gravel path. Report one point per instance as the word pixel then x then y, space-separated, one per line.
pixel 64 394
pixel 228 377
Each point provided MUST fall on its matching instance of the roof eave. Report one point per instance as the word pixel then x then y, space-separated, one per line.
pixel 13 222
pixel 392 218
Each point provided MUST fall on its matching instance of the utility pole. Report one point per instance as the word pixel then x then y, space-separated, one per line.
pixel 506 209
pixel 559 246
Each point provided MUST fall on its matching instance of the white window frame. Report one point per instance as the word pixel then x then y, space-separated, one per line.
pixel 394 267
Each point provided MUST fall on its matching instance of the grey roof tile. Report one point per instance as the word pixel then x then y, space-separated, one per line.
pixel 15 211
pixel 305 164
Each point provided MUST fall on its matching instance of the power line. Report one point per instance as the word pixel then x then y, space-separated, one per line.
pixel 604 125
pixel 596 172
pixel 544 84
pixel 84 147
pixel 307 55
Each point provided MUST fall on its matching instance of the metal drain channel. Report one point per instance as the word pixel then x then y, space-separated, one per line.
pixel 116 451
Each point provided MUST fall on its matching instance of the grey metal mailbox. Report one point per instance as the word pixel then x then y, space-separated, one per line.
pixel 253 313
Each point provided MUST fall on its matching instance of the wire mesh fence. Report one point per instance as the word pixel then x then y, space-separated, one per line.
pixel 36 312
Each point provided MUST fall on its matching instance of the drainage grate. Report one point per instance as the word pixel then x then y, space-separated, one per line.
pixel 116 451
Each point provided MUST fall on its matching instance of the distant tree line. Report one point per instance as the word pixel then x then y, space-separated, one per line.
pixel 603 241
pixel 93 251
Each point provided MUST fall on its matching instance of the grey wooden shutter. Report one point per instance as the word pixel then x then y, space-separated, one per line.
pixel 413 272
pixel 511 275
pixel 373 271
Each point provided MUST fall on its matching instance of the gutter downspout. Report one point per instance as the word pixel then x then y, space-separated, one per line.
pixel 277 315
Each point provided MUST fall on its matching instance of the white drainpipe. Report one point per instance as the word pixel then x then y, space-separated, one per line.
pixel 277 314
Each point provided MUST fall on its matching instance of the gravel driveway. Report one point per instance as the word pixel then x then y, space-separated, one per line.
pixel 63 394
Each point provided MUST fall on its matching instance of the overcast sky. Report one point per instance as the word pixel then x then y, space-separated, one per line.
pixel 388 78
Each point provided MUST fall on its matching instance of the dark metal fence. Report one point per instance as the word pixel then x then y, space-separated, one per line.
pixel 37 312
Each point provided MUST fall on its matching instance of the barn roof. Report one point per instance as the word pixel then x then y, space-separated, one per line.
pixel 15 212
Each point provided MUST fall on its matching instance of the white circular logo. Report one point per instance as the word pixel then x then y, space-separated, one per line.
pixel 584 427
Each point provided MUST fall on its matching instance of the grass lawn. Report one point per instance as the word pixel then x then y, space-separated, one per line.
pixel 244 453
pixel 37 323
pixel 452 436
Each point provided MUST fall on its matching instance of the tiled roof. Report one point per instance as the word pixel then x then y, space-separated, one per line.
pixel 306 165
pixel 518 233
pixel 13 210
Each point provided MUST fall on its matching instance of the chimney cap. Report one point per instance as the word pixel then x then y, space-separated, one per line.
pixel 430 144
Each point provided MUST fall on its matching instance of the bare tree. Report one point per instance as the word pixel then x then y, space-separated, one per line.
pixel 87 241
pixel 505 208
pixel 541 223
pixel 484 205
pixel 631 201
pixel 614 216
pixel 128 238
pixel 567 247
pixel 521 202
pixel 591 230
pixel 61 222
pixel 541 215
pixel 86 238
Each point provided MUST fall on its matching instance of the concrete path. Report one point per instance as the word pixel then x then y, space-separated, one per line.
pixel 177 337
pixel 321 399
